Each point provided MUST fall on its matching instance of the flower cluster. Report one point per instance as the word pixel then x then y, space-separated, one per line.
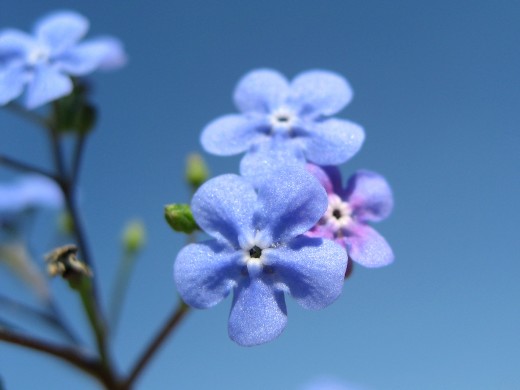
pixel 286 225
pixel 44 62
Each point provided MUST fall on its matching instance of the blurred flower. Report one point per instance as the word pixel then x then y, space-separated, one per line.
pixel 29 192
pixel 43 62
pixel 259 251
pixel 366 198
pixel 17 199
pixel 288 122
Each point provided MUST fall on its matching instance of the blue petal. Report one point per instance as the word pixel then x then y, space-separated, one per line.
pixel 261 90
pixel 258 314
pixel 267 156
pixel 223 207
pixel 322 176
pixel 370 196
pixel 320 92
pixel 40 191
pixel 15 44
pixel 47 84
pixel 12 80
pixel 311 269
pixel 230 134
pixel 115 56
pixel 205 273
pixel 291 201
pixel 91 55
pixel 367 247
pixel 61 30
pixel 333 142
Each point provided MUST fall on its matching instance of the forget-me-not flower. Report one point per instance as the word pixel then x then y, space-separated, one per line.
pixel 29 192
pixel 367 197
pixel 290 122
pixel 43 62
pixel 259 252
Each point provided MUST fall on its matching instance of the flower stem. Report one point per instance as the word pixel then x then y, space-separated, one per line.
pixel 175 319
pixel 21 166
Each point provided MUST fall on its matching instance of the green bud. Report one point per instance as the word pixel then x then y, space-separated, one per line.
pixel 73 113
pixel 196 170
pixel 180 218
pixel 134 236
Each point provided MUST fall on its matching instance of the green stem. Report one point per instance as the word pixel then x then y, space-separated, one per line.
pixel 120 285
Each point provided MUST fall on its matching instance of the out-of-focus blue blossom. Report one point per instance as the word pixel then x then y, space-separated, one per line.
pixel 43 62
pixel 259 252
pixel 289 122
pixel 366 198
pixel 27 193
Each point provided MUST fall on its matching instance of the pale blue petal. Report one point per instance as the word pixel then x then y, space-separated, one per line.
pixel 223 207
pixel 311 269
pixel 367 247
pixel 230 134
pixel 15 44
pixel 261 90
pixel 322 176
pixel 291 201
pixel 258 314
pixel 61 30
pixel 370 196
pixel 319 92
pixel 266 157
pixel 12 81
pixel 91 55
pixel 47 85
pixel 205 273
pixel 115 54
pixel 333 141
pixel 40 191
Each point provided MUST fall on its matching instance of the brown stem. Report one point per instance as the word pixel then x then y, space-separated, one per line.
pixel 71 355
pixel 21 166
pixel 172 322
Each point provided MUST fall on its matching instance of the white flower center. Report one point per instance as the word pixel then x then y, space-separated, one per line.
pixel 282 118
pixel 38 55
pixel 338 214
pixel 254 251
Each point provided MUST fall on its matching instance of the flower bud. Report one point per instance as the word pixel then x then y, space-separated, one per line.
pixel 134 237
pixel 196 170
pixel 180 218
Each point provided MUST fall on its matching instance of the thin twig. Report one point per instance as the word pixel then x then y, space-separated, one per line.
pixel 21 166
pixel 52 319
pixel 172 322
pixel 77 158
pixel 70 355
pixel 30 115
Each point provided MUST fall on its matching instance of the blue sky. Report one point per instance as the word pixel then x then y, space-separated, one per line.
pixel 437 89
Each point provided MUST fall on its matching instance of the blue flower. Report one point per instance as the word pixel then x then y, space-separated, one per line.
pixel 366 198
pixel 259 252
pixel 44 62
pixel 289 122
pixel 28 193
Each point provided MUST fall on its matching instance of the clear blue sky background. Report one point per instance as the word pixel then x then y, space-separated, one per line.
pixel 437 89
